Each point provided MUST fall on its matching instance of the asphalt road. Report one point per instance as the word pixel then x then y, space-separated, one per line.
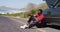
pixel 9 24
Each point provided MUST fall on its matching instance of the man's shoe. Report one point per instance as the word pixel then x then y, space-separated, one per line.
pixel 24 26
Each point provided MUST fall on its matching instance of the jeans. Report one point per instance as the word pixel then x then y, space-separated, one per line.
pixel 31 19
pixel 34 23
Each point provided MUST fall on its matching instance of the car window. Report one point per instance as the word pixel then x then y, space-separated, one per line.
pixel 55 12
pixel 51 12
pixel 44 12
pixel 58 4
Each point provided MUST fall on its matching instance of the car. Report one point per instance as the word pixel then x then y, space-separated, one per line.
pixel 53 13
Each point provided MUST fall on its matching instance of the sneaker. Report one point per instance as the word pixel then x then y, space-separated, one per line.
pixel 24 26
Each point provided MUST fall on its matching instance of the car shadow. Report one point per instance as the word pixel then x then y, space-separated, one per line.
pixel 53 26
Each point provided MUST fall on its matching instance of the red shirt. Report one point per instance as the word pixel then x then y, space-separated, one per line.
pixel 40 17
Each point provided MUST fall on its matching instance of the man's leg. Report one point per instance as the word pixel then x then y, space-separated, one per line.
pixel 38 25
pixel 31 19
pixel 31 25
pixel 31 22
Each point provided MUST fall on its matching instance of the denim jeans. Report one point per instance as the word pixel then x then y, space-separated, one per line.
pixel 31 19
pixel 34 23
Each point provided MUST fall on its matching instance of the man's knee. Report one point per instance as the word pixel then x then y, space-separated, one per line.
pixel 38 25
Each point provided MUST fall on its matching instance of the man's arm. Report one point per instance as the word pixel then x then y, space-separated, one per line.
pixel 38 19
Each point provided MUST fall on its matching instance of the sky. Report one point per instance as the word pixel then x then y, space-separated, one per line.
pixel 18 3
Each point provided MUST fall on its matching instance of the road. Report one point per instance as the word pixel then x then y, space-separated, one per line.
pixel 10 24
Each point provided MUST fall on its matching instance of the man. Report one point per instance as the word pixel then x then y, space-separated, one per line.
pixel 35 20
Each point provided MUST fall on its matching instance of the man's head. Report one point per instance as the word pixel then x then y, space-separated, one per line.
pixel 39 11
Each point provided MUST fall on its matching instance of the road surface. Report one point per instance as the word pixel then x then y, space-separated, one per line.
pixel 10 24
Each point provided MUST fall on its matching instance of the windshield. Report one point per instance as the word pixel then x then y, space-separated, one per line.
pixel 53 3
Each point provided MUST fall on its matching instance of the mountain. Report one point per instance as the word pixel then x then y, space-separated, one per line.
pixel 7 8
pixel 29 7
pixel 43 6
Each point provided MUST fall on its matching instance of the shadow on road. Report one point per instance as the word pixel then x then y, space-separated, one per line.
pixel 53 26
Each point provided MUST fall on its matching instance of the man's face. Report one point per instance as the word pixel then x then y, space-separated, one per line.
pixel 38 11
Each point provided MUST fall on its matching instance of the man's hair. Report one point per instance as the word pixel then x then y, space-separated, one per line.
pixel 40 10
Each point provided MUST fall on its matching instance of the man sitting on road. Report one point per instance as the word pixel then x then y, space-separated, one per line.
pixel 35 20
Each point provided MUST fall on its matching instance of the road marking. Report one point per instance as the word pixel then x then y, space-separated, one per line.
pixel 24 23
pixel 41 30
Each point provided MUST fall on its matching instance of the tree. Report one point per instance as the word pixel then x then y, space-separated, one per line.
pixel 33 11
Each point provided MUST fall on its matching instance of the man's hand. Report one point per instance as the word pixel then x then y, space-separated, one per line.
pixel 38 21
pixel 34 15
